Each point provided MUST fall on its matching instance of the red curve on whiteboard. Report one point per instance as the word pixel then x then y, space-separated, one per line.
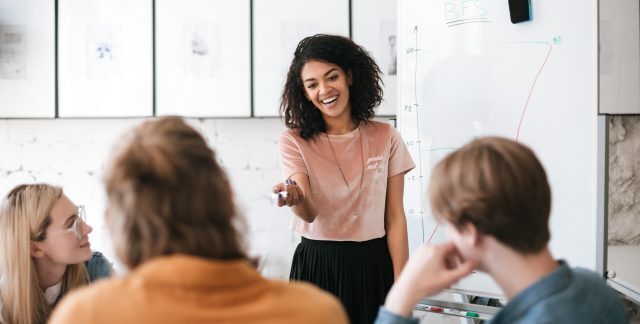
pixel 531 91
pixel 521 116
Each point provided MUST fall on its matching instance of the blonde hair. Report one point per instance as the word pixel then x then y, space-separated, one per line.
pixel 168 195
pixel 24 217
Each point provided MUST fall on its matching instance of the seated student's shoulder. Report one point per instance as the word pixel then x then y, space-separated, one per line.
pixel 598 296
pixel 308 303
pixel 585 299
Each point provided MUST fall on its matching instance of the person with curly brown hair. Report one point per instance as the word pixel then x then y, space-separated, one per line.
pixel 344 175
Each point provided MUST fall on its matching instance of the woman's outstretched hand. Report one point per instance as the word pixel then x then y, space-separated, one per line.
pixel 288 193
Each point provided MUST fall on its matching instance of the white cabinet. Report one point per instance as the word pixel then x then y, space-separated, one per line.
pixel 619 57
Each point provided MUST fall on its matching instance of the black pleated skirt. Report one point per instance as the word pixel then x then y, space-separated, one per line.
pixel 360 274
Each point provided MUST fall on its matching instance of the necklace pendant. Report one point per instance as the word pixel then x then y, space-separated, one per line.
pixel 354 203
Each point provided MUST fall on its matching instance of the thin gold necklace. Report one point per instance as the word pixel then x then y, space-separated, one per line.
pixel 354 204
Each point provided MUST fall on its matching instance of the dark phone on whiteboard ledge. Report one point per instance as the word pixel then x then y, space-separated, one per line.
pixel 519 10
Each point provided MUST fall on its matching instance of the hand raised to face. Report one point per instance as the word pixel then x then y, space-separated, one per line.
pixel 430 269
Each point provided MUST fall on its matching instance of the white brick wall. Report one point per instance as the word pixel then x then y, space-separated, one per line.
pixel 71 153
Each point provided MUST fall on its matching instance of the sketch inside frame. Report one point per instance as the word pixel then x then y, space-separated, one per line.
pixel 103 53
pixel 389 54
pixel 13 52
pixel 201 50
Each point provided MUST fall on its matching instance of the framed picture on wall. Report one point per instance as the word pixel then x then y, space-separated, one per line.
pixel 374 28
pixel 278 26
pixel 105 58
pixel 27 58
pixel 203 58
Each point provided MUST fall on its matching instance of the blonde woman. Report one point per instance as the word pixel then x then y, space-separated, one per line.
pixel 175 226
pixel 44 252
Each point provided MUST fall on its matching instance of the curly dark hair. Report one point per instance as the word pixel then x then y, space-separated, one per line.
pixel 365 93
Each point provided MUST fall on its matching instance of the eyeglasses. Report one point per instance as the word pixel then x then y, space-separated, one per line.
pixel 76 227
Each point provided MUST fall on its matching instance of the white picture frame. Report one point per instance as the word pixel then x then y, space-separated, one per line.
pixel 203 60
pixel 375 28
pixel 27 59
pixel 276 34
pixel 105 58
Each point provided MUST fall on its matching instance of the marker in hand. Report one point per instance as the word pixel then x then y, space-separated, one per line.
pixel 280 195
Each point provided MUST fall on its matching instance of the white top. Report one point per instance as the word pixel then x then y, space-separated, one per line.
pixel 51 293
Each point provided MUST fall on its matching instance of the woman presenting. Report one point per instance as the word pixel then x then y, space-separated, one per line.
pixel 344 175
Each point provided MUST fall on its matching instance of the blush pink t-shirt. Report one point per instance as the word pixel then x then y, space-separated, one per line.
pixel 356 212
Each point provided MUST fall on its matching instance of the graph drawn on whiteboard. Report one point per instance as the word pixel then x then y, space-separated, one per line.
pixel 463 78
pixel 464 70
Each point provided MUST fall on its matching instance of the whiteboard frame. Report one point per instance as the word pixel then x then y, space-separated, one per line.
pixel 622 266
pixel 603 195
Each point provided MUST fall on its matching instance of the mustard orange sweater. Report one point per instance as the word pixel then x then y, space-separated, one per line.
pixel 187 289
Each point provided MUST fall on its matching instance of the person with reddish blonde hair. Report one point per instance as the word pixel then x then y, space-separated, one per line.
pixel 175 226
pixel 493 197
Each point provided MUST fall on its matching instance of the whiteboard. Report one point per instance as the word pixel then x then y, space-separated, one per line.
pixel 465 71
pixel 375 28
pixel 276 34
pixel 105 58
pixel 203 58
